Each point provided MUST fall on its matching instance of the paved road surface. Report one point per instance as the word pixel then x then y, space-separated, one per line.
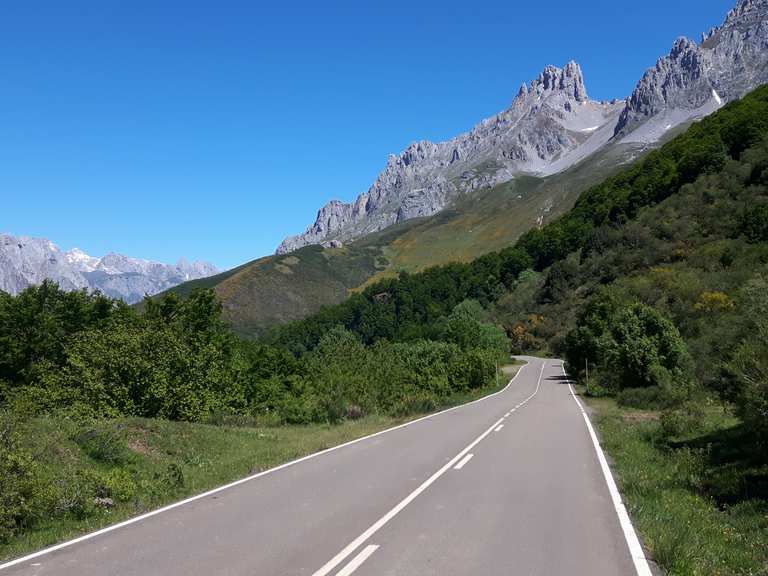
pixel 508 485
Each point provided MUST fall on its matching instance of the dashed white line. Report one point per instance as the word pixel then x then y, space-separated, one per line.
pixel 376 526
pixel 635 549
pixel 499 427
pixel 358 560
pixel 463 461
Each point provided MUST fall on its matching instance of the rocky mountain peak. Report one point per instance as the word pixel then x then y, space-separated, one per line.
pixel 546 124
pixel 568 81
pixel 682 46
pixel 552 124
pixel 27 261
pixel 746 8
pixel 694 80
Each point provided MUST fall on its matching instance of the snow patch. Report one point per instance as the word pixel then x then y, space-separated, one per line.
pixel 590 129
pixel 717 97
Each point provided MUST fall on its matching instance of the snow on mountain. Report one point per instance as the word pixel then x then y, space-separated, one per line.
pixel 28 261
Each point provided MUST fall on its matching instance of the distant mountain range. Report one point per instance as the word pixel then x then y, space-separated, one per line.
pixel 28 261
pixel 553 124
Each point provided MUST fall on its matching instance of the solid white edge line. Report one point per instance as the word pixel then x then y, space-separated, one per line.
pixel 141 517
pixel 630 535
pixel 499 427
pixel 376 526
pixel 464 460
pixel 358 560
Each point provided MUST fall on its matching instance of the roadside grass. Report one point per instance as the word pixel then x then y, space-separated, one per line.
pixel 143 464
pixel 699 500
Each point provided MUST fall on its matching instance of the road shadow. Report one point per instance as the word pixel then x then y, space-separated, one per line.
pixel 561 379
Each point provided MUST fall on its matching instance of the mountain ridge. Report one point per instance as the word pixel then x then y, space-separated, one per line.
pixel 27 261
pixel 546 123
pixel 543 133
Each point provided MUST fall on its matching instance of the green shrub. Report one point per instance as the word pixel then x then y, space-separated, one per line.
pixel 681 421
pixel 120 485
pixel 650 398
pixel 17 482
pixel 754 223
pixel 104 444
pixel 173 478
pixel 416 403
pixel 74 493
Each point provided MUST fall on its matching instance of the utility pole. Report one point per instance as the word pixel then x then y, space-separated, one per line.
pixel 497 373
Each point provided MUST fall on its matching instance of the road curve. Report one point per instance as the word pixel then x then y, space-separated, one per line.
pixel 512 484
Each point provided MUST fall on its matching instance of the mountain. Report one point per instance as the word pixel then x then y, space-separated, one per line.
pixel 550 125
pixel 283 287
pixel 697 79
pixel 455 201
pixel 28 261
pixel 553 124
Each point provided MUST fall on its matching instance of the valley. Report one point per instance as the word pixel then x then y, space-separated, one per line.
pixel 539 347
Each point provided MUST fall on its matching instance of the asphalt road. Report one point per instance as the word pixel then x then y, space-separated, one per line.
pixel 512 484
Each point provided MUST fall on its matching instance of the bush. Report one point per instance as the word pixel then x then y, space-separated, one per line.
pixel 74 493
pixel 681 421
pixel 104 444
pixel 643 398
pixel 120 485
pixel 633 344
pixel 750 364
pixel 754 223
pixel 17 486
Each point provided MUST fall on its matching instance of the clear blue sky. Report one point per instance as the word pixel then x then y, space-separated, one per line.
pixel 211 130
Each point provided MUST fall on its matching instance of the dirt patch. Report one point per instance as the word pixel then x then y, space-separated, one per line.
pixel 641 416
pixel 283 269
pixel 138 441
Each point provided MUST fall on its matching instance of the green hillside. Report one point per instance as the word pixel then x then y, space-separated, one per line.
pixel 277 289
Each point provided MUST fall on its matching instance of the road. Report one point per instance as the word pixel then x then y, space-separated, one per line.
pixel 512 484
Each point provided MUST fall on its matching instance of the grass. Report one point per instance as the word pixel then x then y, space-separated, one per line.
pixel 699 500
pixel 147 463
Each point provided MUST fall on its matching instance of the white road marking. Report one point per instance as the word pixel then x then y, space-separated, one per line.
pixel 358 560
pixel 635 549
pixel 499 427
pixel 464 460
pixel 376 526
pixel 507 414
pixel 135 519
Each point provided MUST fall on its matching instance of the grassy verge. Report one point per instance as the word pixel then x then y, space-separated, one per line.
pixel 142 464
pixel 699 500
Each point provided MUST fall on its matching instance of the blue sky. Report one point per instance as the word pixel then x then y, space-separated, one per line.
pixel 211 130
